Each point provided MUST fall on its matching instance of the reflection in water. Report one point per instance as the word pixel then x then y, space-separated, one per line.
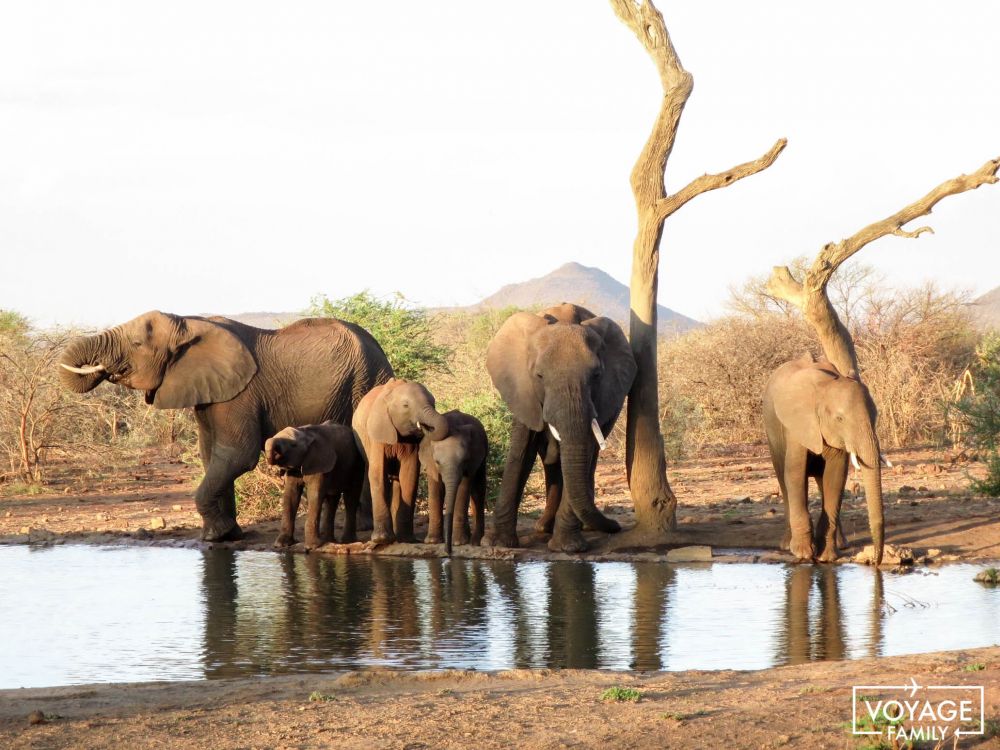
pixel 140 614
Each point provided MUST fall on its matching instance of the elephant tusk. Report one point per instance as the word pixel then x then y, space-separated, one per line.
pixel 885 460
pixel 854 462
pixel 419 426
pixel 555 433
pixel 88 370
pixel 598 434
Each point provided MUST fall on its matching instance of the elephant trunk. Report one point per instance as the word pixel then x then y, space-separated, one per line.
pixel 576 456
pixel 871 473
pixel 434 425
pixel 451 477
pixel 87 353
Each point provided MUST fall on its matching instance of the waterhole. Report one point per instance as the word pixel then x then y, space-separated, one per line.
pixel 82 614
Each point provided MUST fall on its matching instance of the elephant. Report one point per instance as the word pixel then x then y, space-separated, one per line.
pixel 244 383
pixel 564 373
pixel 389 423
pixel 456 470
pixel 324 460
pixel 818 422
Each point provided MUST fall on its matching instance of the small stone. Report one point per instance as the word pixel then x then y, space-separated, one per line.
pixel 933 552
pixel 8 514
pixel 24 530
pixel 907 490
pixel 990 576
pixel 157 522
pixel 176 508
pixel 745 500
pixel 37 717
pixel 694 553
pixel 891 555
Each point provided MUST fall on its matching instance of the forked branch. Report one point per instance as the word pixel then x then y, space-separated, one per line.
pixel 810 296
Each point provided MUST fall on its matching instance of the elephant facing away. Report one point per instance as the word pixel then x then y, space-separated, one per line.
pixel 389 423
pixel 244 383
pixel 322 459
pixel 818 422
pixel 456 474
pixel 564 373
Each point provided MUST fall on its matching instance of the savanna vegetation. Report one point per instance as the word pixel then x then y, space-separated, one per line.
pixel 935 378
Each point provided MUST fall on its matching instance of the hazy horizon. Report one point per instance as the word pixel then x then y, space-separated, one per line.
pixel 231 158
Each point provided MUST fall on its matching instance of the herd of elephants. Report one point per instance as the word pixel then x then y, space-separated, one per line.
pixel 319 398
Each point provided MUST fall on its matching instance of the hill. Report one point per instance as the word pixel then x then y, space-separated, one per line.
pixel 985 310
pixel 591 287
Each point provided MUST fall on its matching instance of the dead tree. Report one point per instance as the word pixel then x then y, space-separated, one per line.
pixel 809 295
pixel 646 464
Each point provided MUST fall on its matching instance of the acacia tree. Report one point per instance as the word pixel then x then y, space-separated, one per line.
pixel 645 460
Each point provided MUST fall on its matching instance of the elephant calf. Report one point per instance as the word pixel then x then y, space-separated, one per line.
pixel 389 423
pixel 324 460
pixel 456 471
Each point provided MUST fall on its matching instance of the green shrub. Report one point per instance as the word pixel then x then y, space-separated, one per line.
pixel 980 411
pixel 619 694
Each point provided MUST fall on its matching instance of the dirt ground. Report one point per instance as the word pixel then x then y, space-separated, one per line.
pixel 729 503
pixel 804 706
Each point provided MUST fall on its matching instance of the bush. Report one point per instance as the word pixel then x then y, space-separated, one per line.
pixel 405 333
pixel 979 408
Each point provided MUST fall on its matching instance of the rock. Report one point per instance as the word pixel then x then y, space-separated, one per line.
pixel 8 514
pixel 37 717
pixel 695 553
pixel 933 552
pixel 176 508
pixel 157 522
pixel 24 530
pixel 907 490
pixel 990 576
pixel 891 555
pixel 745 500
pixel 143 534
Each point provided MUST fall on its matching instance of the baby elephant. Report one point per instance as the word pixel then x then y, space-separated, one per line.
pixel 456 471
pixel 325 461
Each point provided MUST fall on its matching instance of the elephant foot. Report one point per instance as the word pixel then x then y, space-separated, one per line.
pixel 348 537
pixel 786 542
pixel 222 531
pixel 284 540
pixel 544 525
pixel 314 543
pixel 382 536
pixel 477 538
pixel 803 549
pixel 505 539
pixel 600 522
pixel 828 555
pixel 461 538
pixel 434 538
pixel 567 541
pixel 406 537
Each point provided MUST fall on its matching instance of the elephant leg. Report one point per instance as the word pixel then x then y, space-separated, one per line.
pixel 381 499
pixel 796 489
pixel 553 493
pixel 566 532
pixel 832 488
pixel 592 518
pixel 478 498
pixel 435 508
pixel 409 480
pixel 777 449
pixel 328 523
pixel 460 523
pixel 215 497
pixel 291 495
pixel 520 459
pixel 317 488
pixel 365 516
pixel 352 499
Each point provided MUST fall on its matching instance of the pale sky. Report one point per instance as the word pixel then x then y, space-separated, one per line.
pixel 226 157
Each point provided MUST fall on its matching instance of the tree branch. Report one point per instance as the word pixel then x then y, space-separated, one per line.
pixel 666 206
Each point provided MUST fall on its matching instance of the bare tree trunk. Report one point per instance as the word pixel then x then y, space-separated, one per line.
pixel 810 295
pixel 646 463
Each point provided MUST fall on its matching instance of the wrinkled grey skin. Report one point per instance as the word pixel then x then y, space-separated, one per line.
pixel 815 417
pixel 324 460
pixel 561 369
pixel 389 423
pixel 244 383
pixel 456 474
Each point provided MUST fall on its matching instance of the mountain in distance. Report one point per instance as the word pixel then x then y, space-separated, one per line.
pixel 586 286
pixel 985 310
pixel 589 287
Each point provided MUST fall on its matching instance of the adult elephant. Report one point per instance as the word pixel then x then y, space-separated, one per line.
pixel 818 422
pixel 564 373
pixel 244 383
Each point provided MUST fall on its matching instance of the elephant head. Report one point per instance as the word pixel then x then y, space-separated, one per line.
pixel 293 448
pixel 568 372
pixel 821 408
pixel 404 409
pixel 178 361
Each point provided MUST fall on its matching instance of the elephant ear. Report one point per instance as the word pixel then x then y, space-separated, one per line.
pixel 380 426
pixel 318 457
pixel 208 365
pixel 509 360
pixel 796 405
pixel 619 369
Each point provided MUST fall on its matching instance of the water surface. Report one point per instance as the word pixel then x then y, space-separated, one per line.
pixel 80 614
